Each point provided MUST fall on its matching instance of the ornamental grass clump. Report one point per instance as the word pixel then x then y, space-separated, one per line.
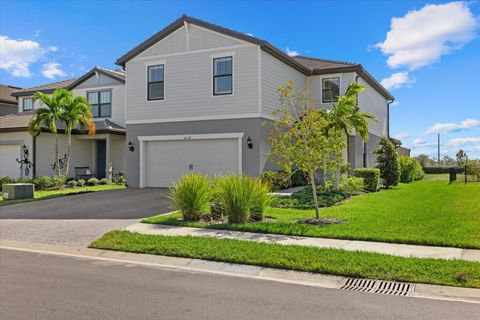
pixel 261 200
pixel 191 195
pixel 236 195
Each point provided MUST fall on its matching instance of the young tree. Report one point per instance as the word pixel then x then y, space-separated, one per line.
pixel 297 137
pixel 462 157
pixel 49 117
pixel 387 162
pixel 345 116
pixel 424 160
pixel 76 114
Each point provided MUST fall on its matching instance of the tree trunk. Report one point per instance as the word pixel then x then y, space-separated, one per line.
pixel 337 176
pixel 67 161
pixel 57 160
pixel 314 190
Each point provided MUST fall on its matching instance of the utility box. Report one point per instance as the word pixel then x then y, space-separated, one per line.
pixel 14 191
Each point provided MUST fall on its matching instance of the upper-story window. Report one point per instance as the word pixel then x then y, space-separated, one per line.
pixel 100 103
pixel 156 82
pixel 222 76
pixel 27 104
pixel 330 89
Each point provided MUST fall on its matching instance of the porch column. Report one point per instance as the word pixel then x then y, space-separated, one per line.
pixel 108 165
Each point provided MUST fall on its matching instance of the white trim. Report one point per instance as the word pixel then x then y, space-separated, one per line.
pixel 125 111
pixel 223 54
pixel 203 118
pixel 232 135
pixel 143 139
pixel 187 37
pixel 259 80
pixel 190 52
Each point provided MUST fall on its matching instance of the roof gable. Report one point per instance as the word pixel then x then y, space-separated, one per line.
pixel 113 74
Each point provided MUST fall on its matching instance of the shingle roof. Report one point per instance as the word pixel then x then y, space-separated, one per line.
pixel 20 121
pixel 45 88
pixel 117 74
pixel 6 94
pixel 321 64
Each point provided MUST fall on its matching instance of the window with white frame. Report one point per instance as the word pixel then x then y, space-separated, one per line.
pixel 330 89
pixel 156 82
pixel 27 104
pixel 222 76
pixel 100 103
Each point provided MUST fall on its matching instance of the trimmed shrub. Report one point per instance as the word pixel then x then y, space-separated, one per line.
pixel 191 195
pixel 236 195
pixel 437 170
pixel 277 180
pixel 410 169
pixel 5 180
pixel 80 183
pixel 352 185
pixel 24 180
pixel 299 178
pixel 121 180
pixel 262 199
pixel 72 184
pixel 370 177
pixel 42 182
pixel 58 181
pixel 104 181
pixel 387 162
pixel 303 199
pixel 92 182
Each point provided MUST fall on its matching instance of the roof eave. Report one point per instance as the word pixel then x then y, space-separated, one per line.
pixel 374 83
pixel 91 73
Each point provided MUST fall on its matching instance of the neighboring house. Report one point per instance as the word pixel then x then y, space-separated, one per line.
pixel 105 90
pixel 8 103
pixel 200 97
pixel 401 151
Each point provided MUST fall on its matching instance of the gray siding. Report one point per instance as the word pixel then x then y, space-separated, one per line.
pixel 7 109
pixel 355 151
pixel 250 127
pixel 273 74
pixel 373 102
pixel 98 81
pixel 316 86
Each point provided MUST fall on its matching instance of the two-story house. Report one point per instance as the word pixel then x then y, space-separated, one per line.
pixel 200 97
pixel 103 153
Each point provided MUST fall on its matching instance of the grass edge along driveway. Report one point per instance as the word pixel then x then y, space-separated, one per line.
pixel 423 213
pixel 50 194
pixel 309 259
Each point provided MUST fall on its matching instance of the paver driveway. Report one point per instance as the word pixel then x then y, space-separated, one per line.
pixel 80 219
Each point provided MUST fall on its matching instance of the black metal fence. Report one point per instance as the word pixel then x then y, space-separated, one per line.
pixel 467 173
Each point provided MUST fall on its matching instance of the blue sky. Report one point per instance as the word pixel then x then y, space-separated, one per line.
pixel 429 54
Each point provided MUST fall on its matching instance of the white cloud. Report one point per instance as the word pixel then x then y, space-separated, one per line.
pixel 53 49
pixel 402 135
pixel 397 80
pixel 52 70
pixel 395 103
pixel 453 127
pixel 463 141
pixel 16 56
pixel 422 36
pixel 419 143
pixel 292 53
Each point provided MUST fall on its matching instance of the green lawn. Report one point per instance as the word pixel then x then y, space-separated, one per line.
pixel 48 194
pixel 329 261
pixel 429 212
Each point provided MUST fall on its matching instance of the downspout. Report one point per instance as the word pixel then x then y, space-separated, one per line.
pixel 34 155
pixel 388 116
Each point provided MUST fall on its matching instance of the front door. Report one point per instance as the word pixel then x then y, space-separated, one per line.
pixel 101 158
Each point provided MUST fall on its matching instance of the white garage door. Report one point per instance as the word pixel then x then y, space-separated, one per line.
pixel 166 161
pixel 9 153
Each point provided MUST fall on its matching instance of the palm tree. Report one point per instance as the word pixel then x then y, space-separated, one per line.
pixel 76 113
pixel 347 117
pixel 49 117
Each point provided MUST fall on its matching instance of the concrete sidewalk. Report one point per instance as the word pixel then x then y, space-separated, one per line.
pixel 402 250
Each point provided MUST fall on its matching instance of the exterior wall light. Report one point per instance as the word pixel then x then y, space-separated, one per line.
pixel 130 146
pixel 249 143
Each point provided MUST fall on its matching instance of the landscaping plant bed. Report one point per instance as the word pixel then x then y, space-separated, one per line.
pixel 320 222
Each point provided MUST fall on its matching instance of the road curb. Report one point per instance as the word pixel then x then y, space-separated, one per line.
pixel 425 291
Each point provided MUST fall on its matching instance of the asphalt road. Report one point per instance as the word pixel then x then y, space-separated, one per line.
pixel 111 204
pixel 37 286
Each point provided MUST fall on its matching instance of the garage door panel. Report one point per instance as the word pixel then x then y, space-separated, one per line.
pixel 8 160
pixel 166 161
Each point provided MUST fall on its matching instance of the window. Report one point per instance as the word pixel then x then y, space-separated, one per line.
pixel 27 104
pixel 330 89
pixel 100 103
pixel 222 76
pixel 156 82
pixel 365 154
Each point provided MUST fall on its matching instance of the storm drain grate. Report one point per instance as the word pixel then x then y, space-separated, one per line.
pixel 377 286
